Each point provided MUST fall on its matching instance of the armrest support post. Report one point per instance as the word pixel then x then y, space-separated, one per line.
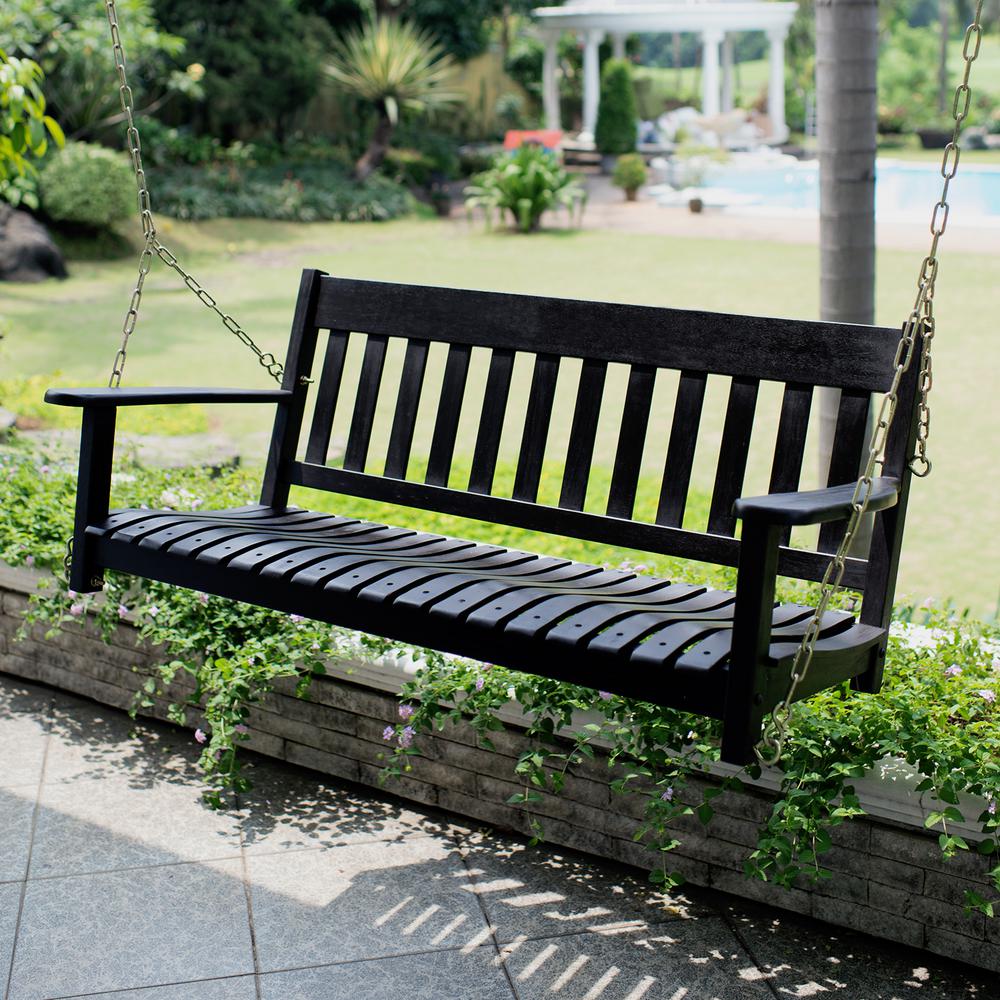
pixel 749 678
pixel 93 494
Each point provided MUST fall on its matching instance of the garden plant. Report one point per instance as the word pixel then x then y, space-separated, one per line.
pixel 616 131
pixel 630 174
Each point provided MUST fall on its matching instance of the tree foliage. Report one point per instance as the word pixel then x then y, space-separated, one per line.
pixel 617 129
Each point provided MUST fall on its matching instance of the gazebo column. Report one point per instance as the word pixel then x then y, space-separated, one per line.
pixel 776 84
pixel 727 72
pixel 550 81
pixel 618 46
pixel 591 80
pixel 710 40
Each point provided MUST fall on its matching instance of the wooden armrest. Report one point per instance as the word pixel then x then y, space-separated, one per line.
pixel 815 506
pixel 105 398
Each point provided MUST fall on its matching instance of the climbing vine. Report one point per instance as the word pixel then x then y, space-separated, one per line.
pixel 937 712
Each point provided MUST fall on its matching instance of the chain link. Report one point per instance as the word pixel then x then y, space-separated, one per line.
pixel 920 322
pixel 152 245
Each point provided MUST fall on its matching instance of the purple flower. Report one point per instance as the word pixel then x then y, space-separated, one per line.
pixel 295 619
pixel 480 682
pixel 200 736
pixel 668 795
pixel 996 664
pixel 987 695
pixel 405 712
pixel 406 736
pixel 953 671
pixel 388 733
pixel 72 595
pixel 45 470
pixel 604 695
pixel 202 598
pixel 251 660
pixel 29 561
pixel 991 807
pixel 241 729
pixel 122 611
pixel 152 611
pixel 76 610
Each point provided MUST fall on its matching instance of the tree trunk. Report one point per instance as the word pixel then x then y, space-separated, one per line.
pixel 846 60
pixel 943 57
pixel 378 146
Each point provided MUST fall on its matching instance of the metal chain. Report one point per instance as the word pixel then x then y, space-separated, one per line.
pixel 152 244
pixel 920 322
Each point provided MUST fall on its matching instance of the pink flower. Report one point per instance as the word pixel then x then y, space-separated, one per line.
pixel 152 611
pixel 987 695
pixel 388 733
pixel 668 795
pixel 200 736
pixel 604 695
pixel 953 671
pixel 202 598
pixel 241 729
pixel 72 594
pixel 29 561
pixel 76 610
pixel 45 469
pixel 405 712
pixel 122 611
pixel 296 619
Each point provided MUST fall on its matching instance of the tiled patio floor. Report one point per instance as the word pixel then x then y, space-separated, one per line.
pixel 116 882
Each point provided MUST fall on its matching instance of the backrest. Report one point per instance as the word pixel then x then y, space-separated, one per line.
pixel 481 346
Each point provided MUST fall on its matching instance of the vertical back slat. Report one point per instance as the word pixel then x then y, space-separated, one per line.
pixel 318 447
pixel 680 451
pixel 789 447
pixel 484 459
pixel 456 371
pixel 733 455
pixel 404 420
pixel 363 419
pixel 631 441
pixel 536 427
pixel 848 441
pixel 580 451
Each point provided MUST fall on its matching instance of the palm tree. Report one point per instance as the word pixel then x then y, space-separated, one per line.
pixel 392 65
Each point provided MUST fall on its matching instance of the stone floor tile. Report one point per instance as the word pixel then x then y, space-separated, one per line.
pixel 291 809
pixel 804 957
pixel 696 959
pixel 440 975
pixel 92 741
pixel 122 930
pixel 106 823
pixel 23 736
pixel 362 901
pixel 16 808
pixel 232 988
pixel 10 897
pixel 546 890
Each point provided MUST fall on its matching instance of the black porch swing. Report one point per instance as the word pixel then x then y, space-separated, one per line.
pixel 731 656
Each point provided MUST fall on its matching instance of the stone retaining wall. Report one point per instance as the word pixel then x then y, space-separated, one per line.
pixel 889 877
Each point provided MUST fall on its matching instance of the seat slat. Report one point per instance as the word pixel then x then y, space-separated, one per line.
pixel 318 446
pixel 733 455
pixel 631 441
pixel 365 403
pixel 404 420
pixel 536 427
pixel 456 373
pixel 680 450
pixel 845 462
pixel 580 452
pixel 491 419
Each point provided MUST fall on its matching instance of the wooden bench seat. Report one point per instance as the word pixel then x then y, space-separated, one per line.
pixel 397 362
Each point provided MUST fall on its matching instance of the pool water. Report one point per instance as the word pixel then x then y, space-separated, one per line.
pixel 902 190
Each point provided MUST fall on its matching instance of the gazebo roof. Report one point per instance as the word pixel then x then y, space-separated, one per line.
pixel 668 15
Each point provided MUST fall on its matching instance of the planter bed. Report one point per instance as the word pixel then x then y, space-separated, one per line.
pixel 889 879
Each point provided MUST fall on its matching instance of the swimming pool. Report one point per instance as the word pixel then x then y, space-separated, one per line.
pixel 902 189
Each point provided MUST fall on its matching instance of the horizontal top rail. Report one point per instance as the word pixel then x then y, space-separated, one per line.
pixel 840 355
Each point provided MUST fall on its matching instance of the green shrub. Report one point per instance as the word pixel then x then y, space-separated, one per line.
pixel 409 167
pixel 526 184
pixel 617 129
pixel 630 173
pixel 307 192
pixel 88 186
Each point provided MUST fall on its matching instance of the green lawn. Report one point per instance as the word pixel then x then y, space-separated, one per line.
pixel 954 526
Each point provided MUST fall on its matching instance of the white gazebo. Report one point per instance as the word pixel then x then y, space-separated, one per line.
pixel 713 21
